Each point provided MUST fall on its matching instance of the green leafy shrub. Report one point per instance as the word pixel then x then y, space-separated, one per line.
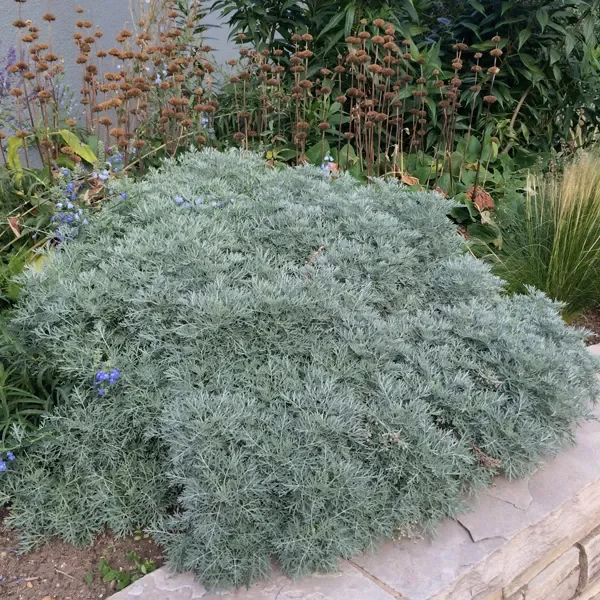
pixel 306 365
pixel 552 239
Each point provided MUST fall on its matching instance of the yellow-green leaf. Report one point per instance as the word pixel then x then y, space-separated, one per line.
pixel 82 150
pixel 14 162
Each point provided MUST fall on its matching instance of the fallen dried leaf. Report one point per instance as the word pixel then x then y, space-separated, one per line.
pixel 480 198
pixel 13 223
pixel 409 179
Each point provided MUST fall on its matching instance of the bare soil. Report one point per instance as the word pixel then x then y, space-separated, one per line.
pixel 58 571
pixel 590 320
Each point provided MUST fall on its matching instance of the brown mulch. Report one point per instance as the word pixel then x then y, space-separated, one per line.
pixel 58 571
pixel 590 320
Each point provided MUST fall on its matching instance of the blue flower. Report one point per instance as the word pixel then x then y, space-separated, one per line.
pixel 104 175
pixel 69 205
pixel 178 200
pixel 101 392
pixel 123 196
pixel 85 221
pixel 3 466
pixel 199 201
pixel 186 205
pixel 64 171
pixel 10 456
pixel 59 205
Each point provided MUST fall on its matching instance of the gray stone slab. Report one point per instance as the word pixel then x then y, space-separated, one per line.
pixel 348 583
pixel 506 532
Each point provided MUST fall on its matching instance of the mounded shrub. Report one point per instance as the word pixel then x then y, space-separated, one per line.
pixel 306 366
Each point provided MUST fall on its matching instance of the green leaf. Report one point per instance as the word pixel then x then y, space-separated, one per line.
pixel 412 11
pixel 347 157
pixel 350 14
pixel 473 150
pixel 589 30
pixel 524 35
pixel 490 234
pixel 315 154
pixel 93 142
pixel 554 56
pixel 334 22
pixel 82 150
pixel 542 17
pixel 478 6
pixel 13 160
pixel 570 41
pixel 532 65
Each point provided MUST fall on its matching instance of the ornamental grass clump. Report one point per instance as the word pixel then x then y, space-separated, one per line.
pixel 306 366
pixel 553 238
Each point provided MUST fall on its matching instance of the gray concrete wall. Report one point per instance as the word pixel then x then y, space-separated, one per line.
pixel 110 16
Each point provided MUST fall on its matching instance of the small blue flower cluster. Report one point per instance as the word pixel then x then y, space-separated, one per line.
pixel 101 175
pixel 106 377
pixel 115 164
pixel 70 217
pixel 199 202
pixel 3 461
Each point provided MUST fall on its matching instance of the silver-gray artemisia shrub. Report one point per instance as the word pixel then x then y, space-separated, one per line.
pixel 276 365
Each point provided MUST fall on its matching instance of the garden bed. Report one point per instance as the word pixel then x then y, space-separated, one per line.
pixel 591 321
pixel 61 571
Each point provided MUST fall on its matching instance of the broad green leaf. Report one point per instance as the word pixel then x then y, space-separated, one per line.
pixel 542 17
pixel 347 156
pixel 531 65
pixel 350 14
pixel 557 73
pixel 589 30
pixel 316 154
pixel 478 6
pixel 412 11
pixel 333 23
pixel 570 41
pixel 13 160
pixel 82 150
pixel 524 35
pixel 473 150
pixel 490 234
pixel 92 142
